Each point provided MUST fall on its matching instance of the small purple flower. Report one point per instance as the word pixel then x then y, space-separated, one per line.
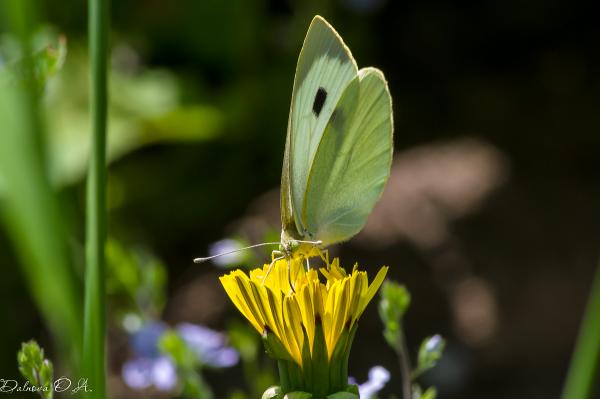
pixel 164 374
pixel 378 377
pixel 150 368
pixel 209 345
pixel 144 341
pixel 143 372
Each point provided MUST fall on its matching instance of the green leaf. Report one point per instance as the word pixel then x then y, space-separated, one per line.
pixel 175 347
pixel 187 364
pixel 430 393
pixel 394 302
pixel 148 110
pixel 417 393
pixel 136 275
pixel 430 352
pixel 245 340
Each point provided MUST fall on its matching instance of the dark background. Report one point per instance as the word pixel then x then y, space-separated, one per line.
pixel 506 282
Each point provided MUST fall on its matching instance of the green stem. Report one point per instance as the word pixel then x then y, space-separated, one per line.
pixel 95 311
pixel 405 368
pixel 585 364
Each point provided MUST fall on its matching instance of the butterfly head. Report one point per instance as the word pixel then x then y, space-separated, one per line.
pixel 291 246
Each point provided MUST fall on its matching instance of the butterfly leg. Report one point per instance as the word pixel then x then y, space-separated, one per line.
pixel 289 273
pixel 307 264
pixel 274 259
pixel 324 254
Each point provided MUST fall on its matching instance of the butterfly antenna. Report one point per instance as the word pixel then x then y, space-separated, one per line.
pixel 264 244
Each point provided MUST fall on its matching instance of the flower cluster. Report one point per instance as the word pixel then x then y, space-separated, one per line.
pixel 150 367
pixel 307 324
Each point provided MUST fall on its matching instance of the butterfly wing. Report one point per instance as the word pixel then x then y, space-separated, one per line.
pixel 352 163
pixel 325 67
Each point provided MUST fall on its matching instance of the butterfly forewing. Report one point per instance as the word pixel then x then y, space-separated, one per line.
pixel 352 162
pixel 325 67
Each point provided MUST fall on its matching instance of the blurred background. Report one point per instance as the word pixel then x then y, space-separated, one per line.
pixel 490 218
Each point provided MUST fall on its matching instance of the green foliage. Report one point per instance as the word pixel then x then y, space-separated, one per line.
pixel 343 395
pixel 148 109
pixel 430 393
pixel 47 57
pixel 394 302
pixel 582 378
pixel 29 207
pixel 36 369
pixel 135 279
pixel 244 339
pixel 274 392
pixel 188 366
pixel 430 352
pixel 248 344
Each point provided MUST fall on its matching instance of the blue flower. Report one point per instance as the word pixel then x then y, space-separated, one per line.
pixel 209 345
pixel 150 368
pixel 144 372
pixel 378 377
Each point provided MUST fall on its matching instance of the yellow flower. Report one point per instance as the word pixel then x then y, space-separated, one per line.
pixel 307 311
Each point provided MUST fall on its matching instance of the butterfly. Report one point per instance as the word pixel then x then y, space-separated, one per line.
pixel 339 145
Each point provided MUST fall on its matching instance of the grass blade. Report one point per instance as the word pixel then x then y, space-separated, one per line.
pixel 95 294
pixel 585 364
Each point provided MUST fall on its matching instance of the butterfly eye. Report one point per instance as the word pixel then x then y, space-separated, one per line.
pixel 320 98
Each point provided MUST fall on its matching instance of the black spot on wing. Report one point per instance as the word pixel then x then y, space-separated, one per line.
pixel 320 98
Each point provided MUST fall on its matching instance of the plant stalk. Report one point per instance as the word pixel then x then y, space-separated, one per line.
pixel 405 367
pixel 96 214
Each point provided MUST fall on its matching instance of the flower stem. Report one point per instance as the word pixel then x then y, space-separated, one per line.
pixel 405 367
pixel 585 364
pixel 95 312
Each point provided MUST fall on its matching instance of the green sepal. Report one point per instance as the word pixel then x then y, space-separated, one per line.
pixel 284 379
pixel 296 377
pixel 273 392
pixel 320 363
pixel 349 342
pixel 343 395
pixel 298 395
pixel 336 377
pixel 307 364
pixel 274 347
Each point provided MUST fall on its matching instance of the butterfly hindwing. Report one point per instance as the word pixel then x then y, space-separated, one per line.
pixel 352 163
pixel 325 67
